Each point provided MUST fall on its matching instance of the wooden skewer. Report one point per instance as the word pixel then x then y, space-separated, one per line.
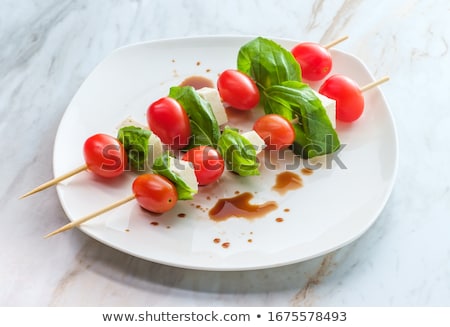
pixel 335 42
pixel 78 222
pixel 375 83
pixel 55 181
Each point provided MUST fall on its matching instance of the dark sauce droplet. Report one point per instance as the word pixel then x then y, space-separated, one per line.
pixel 154 223
pixel 279 220
pixel 287 181
pixel 240 207
pixel 181 215
pixel 197 82
pixel 307 171
pixel 226 245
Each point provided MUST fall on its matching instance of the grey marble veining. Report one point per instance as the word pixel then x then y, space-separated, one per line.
pixel 50 47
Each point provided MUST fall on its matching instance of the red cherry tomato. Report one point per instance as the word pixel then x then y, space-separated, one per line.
pixel 315 61
pixel 348 96
pixel 208 163
pixel 155 193
pixel 104 155
pixel 238 90
pixel 168 120
pixel 276 131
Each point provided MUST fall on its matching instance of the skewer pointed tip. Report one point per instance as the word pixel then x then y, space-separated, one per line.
pixel 25 195
pixel 38 189
pixel 54 181
pixel 60 230
pixel 33 191
pixel 50 234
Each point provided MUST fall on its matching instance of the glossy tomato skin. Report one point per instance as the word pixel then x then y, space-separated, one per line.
pixel 155 193
pixel 315 61
pixel 238 90
pixel 276 131
pixel 104 155
pixel 170 122
pixel 207 162
pixel 346 92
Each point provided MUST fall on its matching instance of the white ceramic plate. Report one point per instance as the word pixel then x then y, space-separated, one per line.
pixel 334 207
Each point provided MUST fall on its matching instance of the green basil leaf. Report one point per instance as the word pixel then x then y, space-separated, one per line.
pixel 204 127
pixel 276 104
pixel 238 153
pixel 135 142
pixel 315 135
pixel 268 63
pixel 164 166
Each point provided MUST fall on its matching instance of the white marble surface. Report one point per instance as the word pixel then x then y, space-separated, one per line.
pixel 49 47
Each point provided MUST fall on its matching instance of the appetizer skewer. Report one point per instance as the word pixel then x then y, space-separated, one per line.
pixel 155 146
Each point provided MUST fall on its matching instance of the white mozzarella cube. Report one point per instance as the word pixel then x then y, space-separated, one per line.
pixel 255 139
pixel 212 96
pixel 330 107
pixel 155 146
pixel 129 121
pixel 185 170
